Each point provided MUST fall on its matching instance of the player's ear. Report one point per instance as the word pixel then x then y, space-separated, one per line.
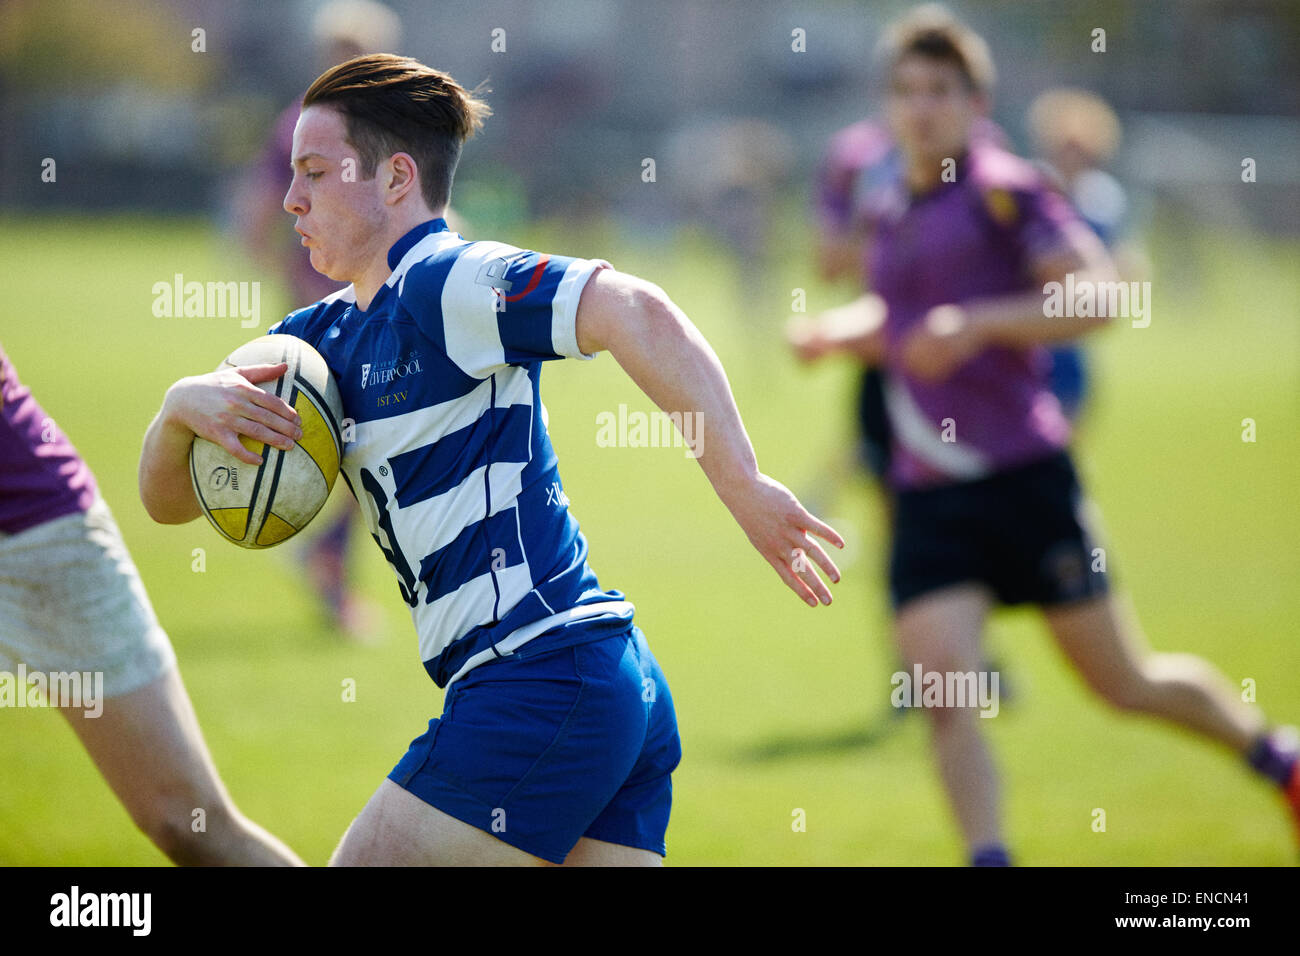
pixel 402 177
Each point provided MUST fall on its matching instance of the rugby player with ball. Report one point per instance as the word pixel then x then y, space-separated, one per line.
pixel 558 735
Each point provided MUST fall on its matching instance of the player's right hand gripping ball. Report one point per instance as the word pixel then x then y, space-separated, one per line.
pixel 259 506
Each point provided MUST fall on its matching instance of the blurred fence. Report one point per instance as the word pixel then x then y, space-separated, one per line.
pixel 136 116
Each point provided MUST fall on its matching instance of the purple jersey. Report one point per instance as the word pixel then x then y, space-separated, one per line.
pixel 974 238
pixel 858 161
pixel 41 475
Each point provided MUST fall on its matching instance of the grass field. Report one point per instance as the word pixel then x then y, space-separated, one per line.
pixel 781 707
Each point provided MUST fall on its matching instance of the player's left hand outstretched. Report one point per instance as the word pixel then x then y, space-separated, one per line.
pixel 781 529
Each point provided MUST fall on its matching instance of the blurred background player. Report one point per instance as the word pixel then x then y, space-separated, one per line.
pixel 1074 131
pixel 988 506
pixel 862 169
pixel 1074 135
pixel 860 160
pixel 339 31
pixel 72 601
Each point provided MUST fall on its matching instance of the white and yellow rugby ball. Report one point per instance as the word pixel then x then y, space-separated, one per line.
pixel 259 506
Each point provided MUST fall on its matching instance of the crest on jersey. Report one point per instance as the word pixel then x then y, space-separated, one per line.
pixel 493 273
pixel 1001 206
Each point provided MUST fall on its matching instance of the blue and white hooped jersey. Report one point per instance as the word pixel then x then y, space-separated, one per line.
pixel 451 461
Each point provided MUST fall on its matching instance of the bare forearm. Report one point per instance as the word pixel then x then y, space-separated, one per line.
pixel 856 328
pixel 1024 320
pixel 165 486
pixel 1042 317
pixel 667 357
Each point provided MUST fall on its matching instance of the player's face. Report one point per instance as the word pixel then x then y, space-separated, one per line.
pixel 341 216
pixel 1071 158
pixel 931 109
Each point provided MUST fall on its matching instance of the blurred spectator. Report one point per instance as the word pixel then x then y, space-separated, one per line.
pixel 1075 134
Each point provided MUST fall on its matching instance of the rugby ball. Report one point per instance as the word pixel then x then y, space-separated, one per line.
pixel 260 506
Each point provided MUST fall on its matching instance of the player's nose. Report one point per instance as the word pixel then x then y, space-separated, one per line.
pixel 294 203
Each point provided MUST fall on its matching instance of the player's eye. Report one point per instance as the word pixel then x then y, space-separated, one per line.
pixel 315 175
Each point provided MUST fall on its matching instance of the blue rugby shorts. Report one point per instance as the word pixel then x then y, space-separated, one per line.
pixel 544 747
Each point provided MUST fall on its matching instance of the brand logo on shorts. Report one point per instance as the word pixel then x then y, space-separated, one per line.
pixel 1067 567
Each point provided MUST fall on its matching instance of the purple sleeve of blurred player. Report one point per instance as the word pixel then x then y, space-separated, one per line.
pixel 852 150
pixel 861 165
pixel 41 475
pixel 1050 224
pixel 976 238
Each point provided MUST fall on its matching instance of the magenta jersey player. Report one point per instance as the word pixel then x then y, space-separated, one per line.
pixel 965 248
pixel 975 237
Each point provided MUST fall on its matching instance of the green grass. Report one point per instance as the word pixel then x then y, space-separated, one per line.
pixel 777 702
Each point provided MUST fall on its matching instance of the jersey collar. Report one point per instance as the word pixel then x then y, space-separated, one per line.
pixel 404 245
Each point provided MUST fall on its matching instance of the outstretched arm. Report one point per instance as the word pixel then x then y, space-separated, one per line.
pixel 857 328
pixel 668 358
pixel 951 335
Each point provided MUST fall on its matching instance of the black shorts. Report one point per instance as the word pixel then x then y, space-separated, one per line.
pixel 1021 532
pixel 874 432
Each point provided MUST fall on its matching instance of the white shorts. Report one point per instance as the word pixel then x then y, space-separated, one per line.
pixel 71 600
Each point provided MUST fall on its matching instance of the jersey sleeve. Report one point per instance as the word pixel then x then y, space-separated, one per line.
pixel 833 197
pixel 1023 204
pixel 287 325
pixel 1048 224
pixel 310 322
pixel 295 324
pixel 500 305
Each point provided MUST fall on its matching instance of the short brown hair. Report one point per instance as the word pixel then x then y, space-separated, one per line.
pixel 395 104
pixel 931 31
